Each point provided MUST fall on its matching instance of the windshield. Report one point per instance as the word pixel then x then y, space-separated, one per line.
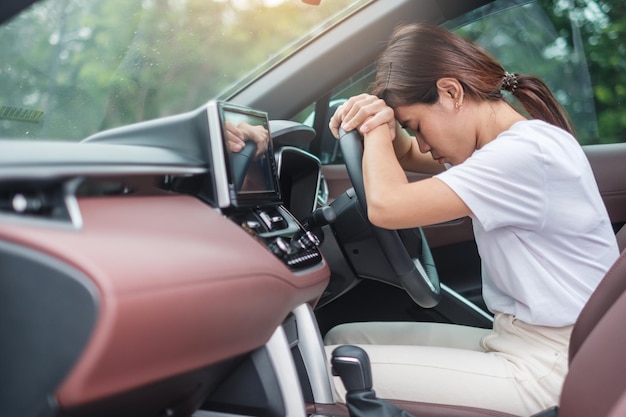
pixel 70 68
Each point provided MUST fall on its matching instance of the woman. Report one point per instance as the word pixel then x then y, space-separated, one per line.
pixel 542 231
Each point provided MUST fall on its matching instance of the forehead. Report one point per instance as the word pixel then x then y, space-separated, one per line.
pixel 408 113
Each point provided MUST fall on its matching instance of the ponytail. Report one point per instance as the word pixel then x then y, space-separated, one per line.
pixel 537 99
pixel 419 54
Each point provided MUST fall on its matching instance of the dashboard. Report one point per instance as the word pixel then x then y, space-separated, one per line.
pixel 269 192
pixel 150 267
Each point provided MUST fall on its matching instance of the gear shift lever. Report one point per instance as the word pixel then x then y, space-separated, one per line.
pixel 352 365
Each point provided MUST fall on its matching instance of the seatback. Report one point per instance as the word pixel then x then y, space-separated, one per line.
pixel 596 380
pixel 619 410
pixel 621 238
pixel 609 290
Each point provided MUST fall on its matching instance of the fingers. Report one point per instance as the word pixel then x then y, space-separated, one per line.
pixel 345 113
pixel 335 121
pixel 258 134
pixel 364 112
pixel 234 137
pixel 359 109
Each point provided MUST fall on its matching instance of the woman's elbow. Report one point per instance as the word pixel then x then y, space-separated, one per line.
pixel 379 216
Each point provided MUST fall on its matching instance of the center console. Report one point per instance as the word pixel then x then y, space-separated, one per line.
pixel 279 231
pixel 239 174
pixel 247 184
pixel 293 365
pixel 288 377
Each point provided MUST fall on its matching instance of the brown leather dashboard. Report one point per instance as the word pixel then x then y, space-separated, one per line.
pixel 179 285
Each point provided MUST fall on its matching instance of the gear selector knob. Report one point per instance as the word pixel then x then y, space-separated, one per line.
pixel 352 365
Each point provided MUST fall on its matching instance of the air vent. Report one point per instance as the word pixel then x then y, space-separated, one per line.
pixel 39 200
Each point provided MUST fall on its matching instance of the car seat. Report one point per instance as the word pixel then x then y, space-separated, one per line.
pixel 595 385
pixel 621 238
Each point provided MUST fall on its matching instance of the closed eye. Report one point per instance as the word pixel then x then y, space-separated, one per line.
pixel 412 132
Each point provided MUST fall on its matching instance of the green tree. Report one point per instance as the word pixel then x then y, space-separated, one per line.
pixel 602 28
pixel 90 65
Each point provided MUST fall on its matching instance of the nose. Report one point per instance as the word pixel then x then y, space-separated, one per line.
pixel 424 147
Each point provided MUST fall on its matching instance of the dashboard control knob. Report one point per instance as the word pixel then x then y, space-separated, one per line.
pixel 306 240
pixel 312 237
pixel 271 221
pixel 253 224
pixel 310 240
pixel 280 247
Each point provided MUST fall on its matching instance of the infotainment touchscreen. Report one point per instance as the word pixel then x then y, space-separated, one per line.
pixel 243 156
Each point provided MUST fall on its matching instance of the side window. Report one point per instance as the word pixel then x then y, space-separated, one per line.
pixel 329 150
pixel 575 46
pixel 569 45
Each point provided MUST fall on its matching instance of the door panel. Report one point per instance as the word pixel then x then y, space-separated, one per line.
pixel 336 176
pixel 609 166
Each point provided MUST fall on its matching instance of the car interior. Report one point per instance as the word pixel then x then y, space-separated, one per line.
pixel 147 270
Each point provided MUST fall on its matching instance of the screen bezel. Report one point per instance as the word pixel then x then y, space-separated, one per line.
pixel 227 194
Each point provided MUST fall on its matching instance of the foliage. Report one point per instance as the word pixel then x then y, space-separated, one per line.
pixel 91 65
pixel 584 39
pixel 602 26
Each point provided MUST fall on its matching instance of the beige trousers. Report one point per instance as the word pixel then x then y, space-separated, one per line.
pixel 515 368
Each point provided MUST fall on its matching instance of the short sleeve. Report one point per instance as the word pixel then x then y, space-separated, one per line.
pixel 503 183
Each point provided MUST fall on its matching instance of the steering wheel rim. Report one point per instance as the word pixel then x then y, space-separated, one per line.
pixel 418 276
pixel 240 162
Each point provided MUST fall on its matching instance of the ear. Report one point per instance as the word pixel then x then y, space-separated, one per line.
pixel 450 89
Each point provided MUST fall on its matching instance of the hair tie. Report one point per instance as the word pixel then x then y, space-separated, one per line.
pixel 509 82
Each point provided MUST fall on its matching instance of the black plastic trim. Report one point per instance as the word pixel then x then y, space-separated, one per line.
pixel 48 311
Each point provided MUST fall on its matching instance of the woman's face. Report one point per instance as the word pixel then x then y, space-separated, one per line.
pixel 441 129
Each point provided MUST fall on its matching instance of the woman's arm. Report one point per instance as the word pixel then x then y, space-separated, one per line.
pixel 366 112
pixel 395 203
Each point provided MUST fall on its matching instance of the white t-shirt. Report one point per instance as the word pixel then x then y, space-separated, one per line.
pixel 542 230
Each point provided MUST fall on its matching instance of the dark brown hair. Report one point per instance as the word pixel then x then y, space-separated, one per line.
pixel 417 55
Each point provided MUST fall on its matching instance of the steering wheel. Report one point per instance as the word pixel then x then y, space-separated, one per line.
pixel 240 162
pixel 417 275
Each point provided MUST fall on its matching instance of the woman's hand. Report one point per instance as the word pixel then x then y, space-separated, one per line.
pixel 364 112
pixel 235 137
pixel 238 135
pixel 258 134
